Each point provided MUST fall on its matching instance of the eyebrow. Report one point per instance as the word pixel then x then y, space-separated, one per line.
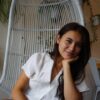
pixel 79 42
pixel 69 38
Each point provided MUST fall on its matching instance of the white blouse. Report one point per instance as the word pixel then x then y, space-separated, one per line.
pixel 38 68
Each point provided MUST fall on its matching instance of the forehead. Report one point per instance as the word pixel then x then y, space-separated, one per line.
pixel 74 35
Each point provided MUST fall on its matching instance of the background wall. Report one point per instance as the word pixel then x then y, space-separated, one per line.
pixel 90 9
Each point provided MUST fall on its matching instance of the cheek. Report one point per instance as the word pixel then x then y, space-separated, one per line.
pixel 62 45
pixel 60 48
pixel 78 50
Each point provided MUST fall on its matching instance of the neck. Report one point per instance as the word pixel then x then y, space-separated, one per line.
pixel 58 62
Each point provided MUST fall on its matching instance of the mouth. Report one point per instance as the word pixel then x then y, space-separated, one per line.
pixel 69 54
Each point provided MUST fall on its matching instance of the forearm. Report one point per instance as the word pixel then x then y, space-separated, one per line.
pixel 70 90
pixel 18 95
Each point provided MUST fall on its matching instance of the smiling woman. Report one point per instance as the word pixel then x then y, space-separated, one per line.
pixel 59 74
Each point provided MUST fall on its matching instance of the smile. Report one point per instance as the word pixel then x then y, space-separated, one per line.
pixel 69 53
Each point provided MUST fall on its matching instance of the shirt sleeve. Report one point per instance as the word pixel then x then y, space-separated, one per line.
pixel 30 66
pixel 82 87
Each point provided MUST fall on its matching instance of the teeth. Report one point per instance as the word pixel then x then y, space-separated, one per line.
pixel 69 53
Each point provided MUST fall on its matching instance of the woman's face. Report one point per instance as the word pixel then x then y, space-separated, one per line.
pixel 69 45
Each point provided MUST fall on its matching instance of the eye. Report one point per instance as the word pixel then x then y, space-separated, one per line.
pixel 69 41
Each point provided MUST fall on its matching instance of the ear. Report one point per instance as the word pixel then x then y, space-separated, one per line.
pixel 58 39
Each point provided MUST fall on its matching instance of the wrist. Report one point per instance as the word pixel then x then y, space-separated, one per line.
pixel 66 65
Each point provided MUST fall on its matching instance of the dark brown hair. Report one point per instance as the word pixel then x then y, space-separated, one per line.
pixel 77 71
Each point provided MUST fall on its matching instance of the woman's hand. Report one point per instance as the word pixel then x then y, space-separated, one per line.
pixel 70 90
pixel 66 62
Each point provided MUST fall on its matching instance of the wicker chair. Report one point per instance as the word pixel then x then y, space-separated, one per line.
pixel 32 28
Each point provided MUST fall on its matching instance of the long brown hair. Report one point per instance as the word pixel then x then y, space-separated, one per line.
pixel 77 71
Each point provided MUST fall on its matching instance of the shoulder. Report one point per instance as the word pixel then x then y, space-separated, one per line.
pixel 35 63
pixel 34 58
pixel 37 57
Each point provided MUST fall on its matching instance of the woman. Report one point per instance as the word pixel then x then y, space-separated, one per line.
pixel 58 75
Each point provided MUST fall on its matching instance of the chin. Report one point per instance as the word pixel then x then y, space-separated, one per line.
pixel 67 57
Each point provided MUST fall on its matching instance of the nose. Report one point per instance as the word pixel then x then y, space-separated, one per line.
pixel 72 47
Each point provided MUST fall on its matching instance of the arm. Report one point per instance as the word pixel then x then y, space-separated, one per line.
pixel 70 90
pixel 18 90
